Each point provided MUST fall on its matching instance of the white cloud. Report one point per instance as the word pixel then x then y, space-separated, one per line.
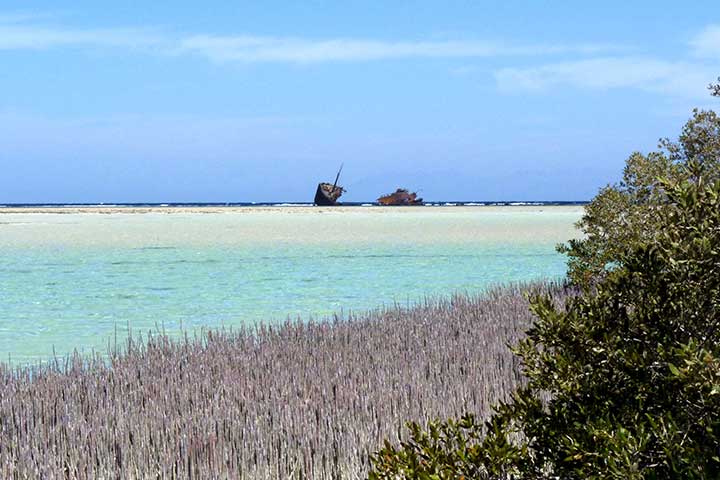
pixel 299 50
pixel 29 37
pixel 678 78
pixel 21 17
pixel 21 32
pixel 666 77
pixel 707 42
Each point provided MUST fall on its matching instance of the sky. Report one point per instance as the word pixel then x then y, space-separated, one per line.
pixel 181 101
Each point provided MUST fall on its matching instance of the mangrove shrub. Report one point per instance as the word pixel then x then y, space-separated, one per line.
pixel 623 380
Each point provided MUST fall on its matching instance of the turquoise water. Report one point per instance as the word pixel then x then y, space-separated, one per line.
pixel 72 281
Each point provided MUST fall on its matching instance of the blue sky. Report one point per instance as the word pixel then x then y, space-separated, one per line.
pixel 257 101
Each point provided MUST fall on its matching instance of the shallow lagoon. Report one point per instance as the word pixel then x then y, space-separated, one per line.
pixel 72 279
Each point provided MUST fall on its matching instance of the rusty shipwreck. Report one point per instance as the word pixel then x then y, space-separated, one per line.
pixel 327 194
pixel 401 196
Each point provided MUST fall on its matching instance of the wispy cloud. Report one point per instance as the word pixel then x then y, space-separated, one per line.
pixel 299 50
pixel 22 17
pixel 685 77
pixel 20 32
pixel 648 74
pixel 707 42
pixel 14 37
pixel 609 68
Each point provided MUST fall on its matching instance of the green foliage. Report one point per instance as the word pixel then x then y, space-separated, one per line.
pixel 631 368
pixel 623 215
pixel 446 450
pixel 623 380
pixel 463 449
pixel 715 88
pixel 618 217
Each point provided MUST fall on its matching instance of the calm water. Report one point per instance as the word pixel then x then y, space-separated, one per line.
pixel 71 280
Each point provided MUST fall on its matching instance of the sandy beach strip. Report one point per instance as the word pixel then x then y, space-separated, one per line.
pixel 238 226
pixel 304 209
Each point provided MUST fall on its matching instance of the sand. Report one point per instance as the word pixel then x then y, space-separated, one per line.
pixel 238 226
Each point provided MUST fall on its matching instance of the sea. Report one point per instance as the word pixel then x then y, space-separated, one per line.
pixel 83 277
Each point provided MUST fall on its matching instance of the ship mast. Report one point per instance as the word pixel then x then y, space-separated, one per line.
pixel 337 177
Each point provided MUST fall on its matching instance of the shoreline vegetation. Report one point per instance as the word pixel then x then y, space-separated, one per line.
pixel 623 381
pixel 298 400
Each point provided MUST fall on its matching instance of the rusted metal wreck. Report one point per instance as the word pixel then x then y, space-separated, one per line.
pixel 401 196
pixel 327 194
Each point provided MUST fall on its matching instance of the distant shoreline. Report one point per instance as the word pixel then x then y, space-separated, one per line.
pixel 131 208
pixel 446 203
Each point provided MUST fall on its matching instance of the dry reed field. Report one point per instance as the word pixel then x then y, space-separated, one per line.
pixel 298 400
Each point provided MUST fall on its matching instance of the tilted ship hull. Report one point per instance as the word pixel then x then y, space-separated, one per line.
pixel 327 194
